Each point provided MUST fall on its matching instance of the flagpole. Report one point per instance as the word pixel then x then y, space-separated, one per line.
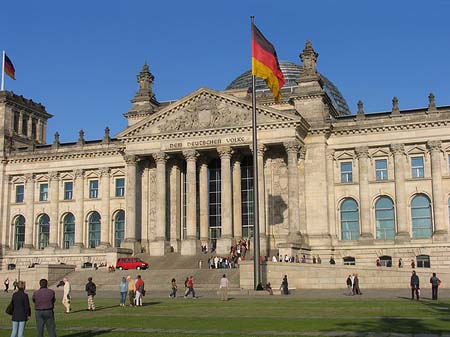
pixel 256 244
pixel 3 71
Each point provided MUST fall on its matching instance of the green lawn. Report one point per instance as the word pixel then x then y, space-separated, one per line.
pixel 246 316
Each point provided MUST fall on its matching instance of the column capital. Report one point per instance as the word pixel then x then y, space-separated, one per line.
pixel 130 159
pixel 398 148
pixel 225 151
pixel 330 154
pixel 78 173
pixel 291 146
pixel 104 171
pixel 434 146
pixel 160 157
pixel 29 178
pixel 190 155
pixel 53 176
pixel 362 152
pixel 302 153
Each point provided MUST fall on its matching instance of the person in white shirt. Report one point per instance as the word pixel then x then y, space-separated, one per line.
pixel 274 258
pixel 223 285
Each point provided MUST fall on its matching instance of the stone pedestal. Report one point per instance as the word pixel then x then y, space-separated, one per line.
pixel 135 246
pixel 159 247
pixel 223 246
pixel 175 244
pixel 440 236
pixel 189 247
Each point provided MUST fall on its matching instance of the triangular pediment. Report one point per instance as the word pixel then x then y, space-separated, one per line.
pixel 380 153
pixel 206 109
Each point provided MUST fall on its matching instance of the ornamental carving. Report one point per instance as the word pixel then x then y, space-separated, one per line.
pixel 291 146
pixel 53 176
pixel 78 173
pixel 398 149
pixel 130 159
pixel 302 153
pixel 362 152
pixel 330 154
pixel 104 171
pixel 29 178
pixel 190 155
pixel 160 157
pixel 434 146
pixel 224 152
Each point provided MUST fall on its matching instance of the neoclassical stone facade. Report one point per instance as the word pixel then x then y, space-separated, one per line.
pixel 355 186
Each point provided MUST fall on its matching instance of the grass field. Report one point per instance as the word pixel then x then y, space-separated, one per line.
pixel 270 316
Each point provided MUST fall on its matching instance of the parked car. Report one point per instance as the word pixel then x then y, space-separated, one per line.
pixel 124 263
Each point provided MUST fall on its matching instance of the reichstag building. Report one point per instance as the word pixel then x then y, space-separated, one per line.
pixel 358 187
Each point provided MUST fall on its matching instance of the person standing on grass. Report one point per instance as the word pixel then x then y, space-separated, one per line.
pixel 123 289
pixel 190 285
pixel 285 285
pixel 356 290
pixel 435 282
pixel 131 290
pixel 224 285
pixel 349 285
pixel 6 283
pixel 173 294
pixel 140 291
pixel 21 310
pixel 414 284
pixel 91 290
pixel 44 301
pixel 66 295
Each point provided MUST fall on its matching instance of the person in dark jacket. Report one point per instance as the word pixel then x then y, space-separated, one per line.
pixel 414 284
pixel 285 285
pixel 44 302
pixel 435 282
pixel 91 290
pixel 21 310
pixel 356 290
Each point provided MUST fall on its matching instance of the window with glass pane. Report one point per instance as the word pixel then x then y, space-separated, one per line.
pixel 33 128
pixel 421 217
pixel 349 261
pixel 68 190
pixel 25 125
pixel 19 232
pixel 20 189
pixel 384 218
pixel 16 122
pixel 94 229
pixel 44 231
pixel 43 192
pixel 184 219
pixel 119 228
pixel 417 167
pixel 93 189
pixel 423 261
pixel 381 169
pixel 247 197
pixel 69 231
pixel 214 193
pixel 349 220
pixel 346 172
pixel 120 187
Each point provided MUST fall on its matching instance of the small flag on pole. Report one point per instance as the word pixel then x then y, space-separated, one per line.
pixel 265 63
pixel 9 68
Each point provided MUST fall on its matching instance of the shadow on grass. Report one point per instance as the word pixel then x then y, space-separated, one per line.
pixel 96 309
pixel 150 303
pixel 89 333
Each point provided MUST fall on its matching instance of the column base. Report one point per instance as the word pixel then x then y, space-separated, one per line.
pixel 159 247
pixel 135 246
pixel 440 236
pixel 224 245
pixel 402 237
pixel 189 247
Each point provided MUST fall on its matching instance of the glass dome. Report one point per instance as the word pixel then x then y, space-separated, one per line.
pixel 292 73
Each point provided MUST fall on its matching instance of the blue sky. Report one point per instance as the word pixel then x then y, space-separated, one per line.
pixel 80 58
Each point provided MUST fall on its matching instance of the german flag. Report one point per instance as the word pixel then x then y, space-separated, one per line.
pixel 265 63
pixel 9 68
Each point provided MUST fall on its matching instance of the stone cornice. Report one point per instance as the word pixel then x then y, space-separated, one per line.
pixel 35 157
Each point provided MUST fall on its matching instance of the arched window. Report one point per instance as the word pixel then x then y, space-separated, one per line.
pixel 19 232
pixel 119 228
pixel 43 231
pixel 349 219
pixel 421 217
pixel 384 218
pixel 94 229
pixel 69 231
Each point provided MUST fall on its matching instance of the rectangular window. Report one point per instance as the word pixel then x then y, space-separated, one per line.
pixel 68 190
pixel 346 172
pixel 20 189
pixel 381 170
pixel 43 192
pixel 25 125
pixel 93 189
pixel 16 122
pixel 417 167
pixel 120 187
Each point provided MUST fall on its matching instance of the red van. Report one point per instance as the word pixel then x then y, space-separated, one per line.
pixel 124 263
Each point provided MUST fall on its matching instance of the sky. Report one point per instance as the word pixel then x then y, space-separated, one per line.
pixel 80 58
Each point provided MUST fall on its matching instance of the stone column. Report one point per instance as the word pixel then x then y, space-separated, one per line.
pixel 204 235
pixel 332 224
pixel 364 201
pixel 302 195
pixel 54 211
pixel 237 198
pixel 79 208
pixel 20 123
pixel 403 233
pixel 105 194
pixel 29 211
pixel 159 246
pixel 224 243
pixel 130 203
pixel 39 130
pixel 30 127
pixel 292 148
pixel 263 232
pixel 440 225
pixel 175 206
pixel 189 246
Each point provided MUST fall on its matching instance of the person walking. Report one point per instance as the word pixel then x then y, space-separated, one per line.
pixel 140 291
pixel 6 283
pixel 67 296
pixel 131 290
pixel 414 284
pixel 190 286
pixel 435 283
pixel 123 288
pixel 44 302
pixel 15 284
pixel 285 285
pixel 91 290
pixel 173 294
pixel 224 285
pixel 21 310
pixel 349 286
pixel 356 290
